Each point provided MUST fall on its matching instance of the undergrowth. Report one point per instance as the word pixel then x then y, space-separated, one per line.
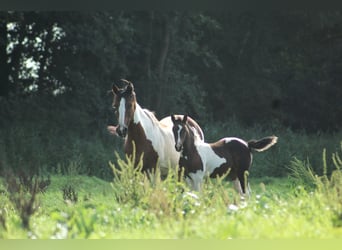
pixel 308 204
pixel 328 186
pixel 170 197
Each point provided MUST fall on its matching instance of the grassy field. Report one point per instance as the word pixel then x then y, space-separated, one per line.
pixel 307 205
pixel 131 207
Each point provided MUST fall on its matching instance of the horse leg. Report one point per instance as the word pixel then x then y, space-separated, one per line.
pixel 244 184
pixel 237 186
pixel 196 180
pixel 189 182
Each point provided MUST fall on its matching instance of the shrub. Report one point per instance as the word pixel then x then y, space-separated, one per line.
pixel 69 194
pixel 170 197
pixel 162 197
pixel 25 202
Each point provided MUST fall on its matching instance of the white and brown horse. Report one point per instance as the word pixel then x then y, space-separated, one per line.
pixel 152 138
pixel 228 154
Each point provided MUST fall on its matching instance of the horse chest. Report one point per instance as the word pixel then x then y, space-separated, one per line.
pixel 154 144
pixel 191 163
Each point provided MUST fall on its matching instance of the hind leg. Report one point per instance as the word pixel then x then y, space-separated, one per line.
pixel 244 162
pixel 237 186
pixel 244 184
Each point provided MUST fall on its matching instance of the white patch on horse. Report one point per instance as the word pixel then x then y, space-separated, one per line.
pixel 229 139
pixel 209 158
pixel 178 142
pixel 160 134
pixel 237 186
pixel 122 110
pixel 196 179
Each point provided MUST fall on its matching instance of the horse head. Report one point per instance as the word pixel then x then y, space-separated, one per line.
pixel 179 130
pixel 124 104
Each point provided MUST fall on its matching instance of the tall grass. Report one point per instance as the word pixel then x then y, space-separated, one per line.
pixel 327 185
pixel 167 198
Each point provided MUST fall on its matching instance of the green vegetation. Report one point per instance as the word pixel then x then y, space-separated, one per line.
pixel 243 74
pixel 135 206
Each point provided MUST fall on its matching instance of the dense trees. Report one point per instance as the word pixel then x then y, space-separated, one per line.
pixel 270 68
pixel 213 65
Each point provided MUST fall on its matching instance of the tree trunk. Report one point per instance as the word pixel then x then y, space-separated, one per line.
pixel 161 62
pixel 149 46
pixel 4 66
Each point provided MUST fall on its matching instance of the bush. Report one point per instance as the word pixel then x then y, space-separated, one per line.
pixel 171 197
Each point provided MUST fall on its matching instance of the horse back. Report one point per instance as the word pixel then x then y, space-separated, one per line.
pixel 237 154
pixel 166 122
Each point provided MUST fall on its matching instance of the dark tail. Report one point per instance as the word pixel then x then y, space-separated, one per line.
pixel 262 144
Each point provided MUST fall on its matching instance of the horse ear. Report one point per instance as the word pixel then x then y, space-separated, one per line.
pixel 130 87
pixel 173 118
pixel 115 89
pixel 185 118
pixel 129 84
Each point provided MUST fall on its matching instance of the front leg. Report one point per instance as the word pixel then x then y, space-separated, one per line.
pixel 196 180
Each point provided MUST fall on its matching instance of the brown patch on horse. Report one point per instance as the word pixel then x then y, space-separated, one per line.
pixel 143 147
pixel 190 159
pixel 238 159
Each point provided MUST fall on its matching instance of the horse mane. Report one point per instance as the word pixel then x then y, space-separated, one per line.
pixel 195 134
pixel 152 116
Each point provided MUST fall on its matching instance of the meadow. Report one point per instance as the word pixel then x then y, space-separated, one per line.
pixel 84 187
pixel 131 206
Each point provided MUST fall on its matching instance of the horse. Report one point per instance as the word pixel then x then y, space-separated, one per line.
pixel 153 139
pixel 199 158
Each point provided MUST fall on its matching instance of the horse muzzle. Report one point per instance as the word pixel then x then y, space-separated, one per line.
pixel 121 131
pixel 178 148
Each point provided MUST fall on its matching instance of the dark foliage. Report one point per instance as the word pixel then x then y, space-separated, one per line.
pixel 268 69
pixel 70 194
pixel 2 220
pixel 23 190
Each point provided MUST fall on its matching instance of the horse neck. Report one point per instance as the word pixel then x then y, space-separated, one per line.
pixel 145 120
pixel 189 144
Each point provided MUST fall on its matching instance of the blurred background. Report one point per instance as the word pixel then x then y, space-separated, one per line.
pixel 238 74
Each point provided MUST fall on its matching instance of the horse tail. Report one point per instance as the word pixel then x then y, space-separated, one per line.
pixel 262 144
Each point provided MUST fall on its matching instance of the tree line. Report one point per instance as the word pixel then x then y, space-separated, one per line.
pixel 283 67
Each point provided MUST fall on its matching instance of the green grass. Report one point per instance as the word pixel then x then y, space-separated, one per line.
pixel 278 208
pixel 305 205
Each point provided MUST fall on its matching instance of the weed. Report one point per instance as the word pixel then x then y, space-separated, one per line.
pixel 69 194
pixel 2 220
pixel 129 182
pixel 24 198
pixel 302 173
pixel 328 187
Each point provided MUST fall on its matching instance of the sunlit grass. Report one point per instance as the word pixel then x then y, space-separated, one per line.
pixel 136 206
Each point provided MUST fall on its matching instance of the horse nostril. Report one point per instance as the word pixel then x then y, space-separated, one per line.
pixel 121 131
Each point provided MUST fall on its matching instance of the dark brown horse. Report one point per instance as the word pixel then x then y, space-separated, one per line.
pixel 152 138
pixel 228 154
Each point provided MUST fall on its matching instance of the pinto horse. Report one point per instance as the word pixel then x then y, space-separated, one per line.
pixel 153 139
pixel 216 159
